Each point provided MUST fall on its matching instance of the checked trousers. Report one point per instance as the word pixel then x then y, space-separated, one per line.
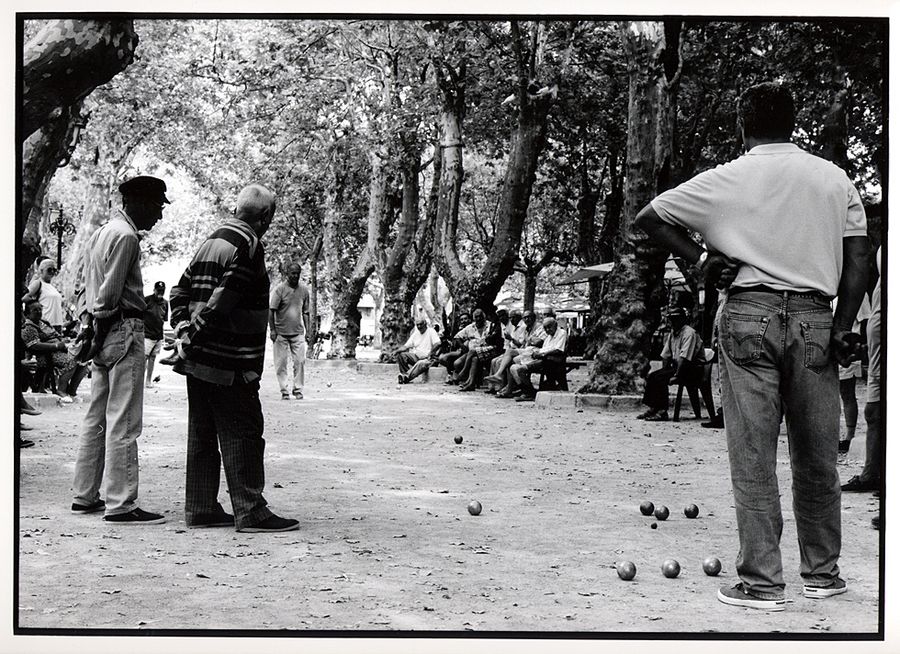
pixel 225 430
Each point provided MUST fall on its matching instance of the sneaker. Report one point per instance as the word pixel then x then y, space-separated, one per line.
pixel 737 596
pixel 285 396
pixel 843 447
pixel 203 521
pixel 29 410
pixel 272 524
pixel 857 485
pixel 65 399
pixel 659 416
pixel 401 379
pixel 136 517
pixel 298 395
pixel 93 507
pixel 24 442
pixel 837 587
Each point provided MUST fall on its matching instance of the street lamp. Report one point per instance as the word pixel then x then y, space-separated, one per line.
pixel 61 227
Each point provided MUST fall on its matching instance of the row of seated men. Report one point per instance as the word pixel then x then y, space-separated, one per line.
pixel 503 354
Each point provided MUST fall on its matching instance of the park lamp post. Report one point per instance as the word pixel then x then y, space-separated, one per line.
pixel 61 227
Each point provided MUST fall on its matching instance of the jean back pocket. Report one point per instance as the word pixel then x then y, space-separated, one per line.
pixel 741 336
pixel 817 341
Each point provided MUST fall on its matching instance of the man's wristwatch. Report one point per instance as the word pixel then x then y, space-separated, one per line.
pixel 702 260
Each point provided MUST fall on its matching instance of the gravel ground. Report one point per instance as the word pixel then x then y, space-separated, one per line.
pixel 386 544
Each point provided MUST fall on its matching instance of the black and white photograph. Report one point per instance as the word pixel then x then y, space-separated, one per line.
pixel 436 332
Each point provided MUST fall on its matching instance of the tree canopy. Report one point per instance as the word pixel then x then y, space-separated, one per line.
pixel 490 151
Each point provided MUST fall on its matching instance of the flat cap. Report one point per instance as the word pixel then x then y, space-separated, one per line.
pixel 145 186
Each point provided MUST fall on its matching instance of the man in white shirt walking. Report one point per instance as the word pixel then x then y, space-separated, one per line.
pixel 289 318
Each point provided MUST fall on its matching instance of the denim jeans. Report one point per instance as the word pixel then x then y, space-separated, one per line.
pixel 228 418
pixel 114 421
pixel 293 348
pixel 778 363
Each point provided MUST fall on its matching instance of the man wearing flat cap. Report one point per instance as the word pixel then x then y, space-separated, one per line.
pixel 682 361
pixel 114 295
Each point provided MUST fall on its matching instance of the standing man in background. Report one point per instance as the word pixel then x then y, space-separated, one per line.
pixel 796 225
pixel 114 293
pixel 155 315
pixel 288 319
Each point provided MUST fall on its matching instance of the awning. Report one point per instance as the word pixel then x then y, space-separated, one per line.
pixel 586 273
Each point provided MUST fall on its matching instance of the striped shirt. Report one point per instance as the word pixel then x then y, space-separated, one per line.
pixel 222 301
pixel 112 269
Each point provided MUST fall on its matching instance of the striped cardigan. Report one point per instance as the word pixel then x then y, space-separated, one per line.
pixel 220 307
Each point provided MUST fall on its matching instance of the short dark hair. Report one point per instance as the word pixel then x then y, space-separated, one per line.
pixel 767 111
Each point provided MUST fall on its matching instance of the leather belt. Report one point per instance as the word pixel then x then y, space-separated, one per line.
pixel 761 288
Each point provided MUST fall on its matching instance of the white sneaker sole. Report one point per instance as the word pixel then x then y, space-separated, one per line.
pixel 821 593
pixel 759 604
pixel 257 530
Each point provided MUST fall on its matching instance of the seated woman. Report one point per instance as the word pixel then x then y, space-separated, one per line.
pixel 480 357
pixel 51 352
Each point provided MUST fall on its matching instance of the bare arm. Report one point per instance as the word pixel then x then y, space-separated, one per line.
pixel 854 277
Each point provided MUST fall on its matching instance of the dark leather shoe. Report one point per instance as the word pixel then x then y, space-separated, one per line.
pixel 857 485
pixel 843 447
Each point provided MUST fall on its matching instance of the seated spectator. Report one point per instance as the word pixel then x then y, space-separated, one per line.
pixel 453 347
pixel 471 336
pixel 479 358
pixel 51 352
pixel 682 362
pixel 553 348
pixel 46 293
pixel 418 347
pixel 526 338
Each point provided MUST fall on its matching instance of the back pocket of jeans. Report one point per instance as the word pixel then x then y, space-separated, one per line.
pixel 742 336
pixel 817 339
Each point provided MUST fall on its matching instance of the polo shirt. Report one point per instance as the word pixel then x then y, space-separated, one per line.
pixel 555 342
pixel 780 211
pixel 291 306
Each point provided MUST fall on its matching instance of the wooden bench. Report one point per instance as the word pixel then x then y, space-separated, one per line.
pixel 553 374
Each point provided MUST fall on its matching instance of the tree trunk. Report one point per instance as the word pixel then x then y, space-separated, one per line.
pixel 67 60
pixel 41 154
pixel 531 276
pixel 403 275
pixel 345 325
pixel 312 331
pixel 634 290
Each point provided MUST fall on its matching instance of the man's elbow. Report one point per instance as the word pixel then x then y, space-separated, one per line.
pixel 647 220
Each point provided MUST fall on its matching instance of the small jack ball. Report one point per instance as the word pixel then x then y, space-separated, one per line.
pixel 474 507
pixel 457 439
pixel 652 525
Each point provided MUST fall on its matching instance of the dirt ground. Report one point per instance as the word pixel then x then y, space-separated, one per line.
pixel 372 472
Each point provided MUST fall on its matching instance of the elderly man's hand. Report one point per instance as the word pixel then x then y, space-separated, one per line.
pixel 720 270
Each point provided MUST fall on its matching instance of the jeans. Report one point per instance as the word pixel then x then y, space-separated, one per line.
pixel 293 347
pixel 230 418
pixel 777 363
pixel 114 421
